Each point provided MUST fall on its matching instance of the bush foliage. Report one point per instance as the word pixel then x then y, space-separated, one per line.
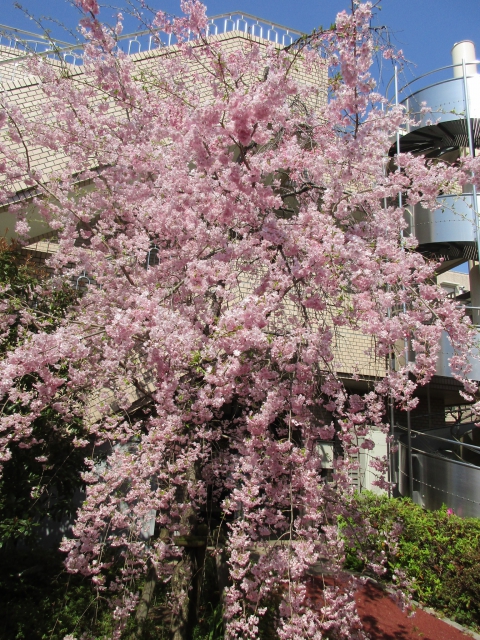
pixel 439 551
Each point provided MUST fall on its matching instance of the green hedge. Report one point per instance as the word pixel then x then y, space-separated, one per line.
pixel 438 550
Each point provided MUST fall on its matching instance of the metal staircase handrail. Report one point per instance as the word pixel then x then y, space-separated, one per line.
pixel 433 454
pixel 457 443
pixel 428 73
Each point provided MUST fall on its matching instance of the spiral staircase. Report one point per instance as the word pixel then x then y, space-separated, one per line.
pixel 449 130
pixel 445 124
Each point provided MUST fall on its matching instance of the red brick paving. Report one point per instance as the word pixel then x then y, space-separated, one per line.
pixel 383 620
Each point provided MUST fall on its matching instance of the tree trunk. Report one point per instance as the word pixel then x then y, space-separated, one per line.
pixel 198 554
pixel 223 579
pixel 181 580
pixel 145 602
pixel 188 574
pixel 187 589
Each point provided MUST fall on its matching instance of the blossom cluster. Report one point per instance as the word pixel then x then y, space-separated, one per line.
pixel 207 374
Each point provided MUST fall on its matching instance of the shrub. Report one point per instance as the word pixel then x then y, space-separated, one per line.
pixel 439 552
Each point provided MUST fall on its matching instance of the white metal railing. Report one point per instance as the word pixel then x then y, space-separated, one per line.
pixel 17 45
pixel 217 25
pixel 20 44
pixel 253 25
pixel 27 41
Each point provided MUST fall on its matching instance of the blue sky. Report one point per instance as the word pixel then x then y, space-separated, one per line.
pixel 424 29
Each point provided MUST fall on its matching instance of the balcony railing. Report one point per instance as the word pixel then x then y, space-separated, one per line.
pixel 20 44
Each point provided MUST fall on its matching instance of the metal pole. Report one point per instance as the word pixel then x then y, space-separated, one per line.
pixel 391 456
pixel 471 146
pixel 396 104
pixel 429 407
pixel 410 455
pixel 406 343
pixel 391 366
pixel 391 471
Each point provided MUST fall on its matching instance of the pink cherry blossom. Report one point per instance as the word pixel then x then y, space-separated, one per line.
pixel 230 228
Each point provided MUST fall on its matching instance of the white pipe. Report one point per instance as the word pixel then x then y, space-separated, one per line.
pixel 464 50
